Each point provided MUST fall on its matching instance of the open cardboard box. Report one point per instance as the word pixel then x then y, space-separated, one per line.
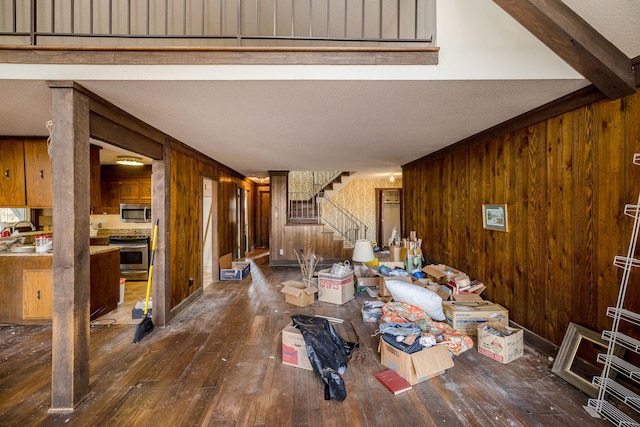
pixel 383 291
pixel 440 272
pixel 504 349
pixel 335 288
pixel 370 280
pixel 297 293
pixel 417 367
pixel 232 270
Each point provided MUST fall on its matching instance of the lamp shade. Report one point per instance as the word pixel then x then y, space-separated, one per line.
pixel 363 252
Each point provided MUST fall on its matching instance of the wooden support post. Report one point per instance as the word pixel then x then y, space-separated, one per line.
pixel 71 253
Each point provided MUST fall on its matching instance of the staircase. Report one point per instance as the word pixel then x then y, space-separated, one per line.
pixel 339 229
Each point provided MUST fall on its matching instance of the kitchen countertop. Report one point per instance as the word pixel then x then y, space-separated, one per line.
pixel 94 250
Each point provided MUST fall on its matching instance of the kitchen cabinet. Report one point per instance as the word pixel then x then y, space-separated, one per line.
pixel 109 198
pixel 123 185
pixel 26 174
pixel 130 190
pixel 38 182
pixel 26 287
pixel 145 190
pixel 37 294
pixel 12 185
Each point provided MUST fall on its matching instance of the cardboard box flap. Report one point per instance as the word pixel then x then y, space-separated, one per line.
pixel 226 260
pixel 296 289
pixel 438 359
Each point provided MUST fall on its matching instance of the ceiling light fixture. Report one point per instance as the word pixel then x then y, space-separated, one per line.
pixel 129 161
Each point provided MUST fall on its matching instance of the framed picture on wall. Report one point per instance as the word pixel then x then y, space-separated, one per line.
pixel 494 217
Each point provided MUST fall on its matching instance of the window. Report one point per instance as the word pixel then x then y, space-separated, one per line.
pixel 12 215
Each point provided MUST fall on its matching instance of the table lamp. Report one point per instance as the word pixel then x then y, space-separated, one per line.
pixel 363 252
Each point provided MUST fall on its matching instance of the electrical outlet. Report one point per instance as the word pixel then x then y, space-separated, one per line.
pixel 281 251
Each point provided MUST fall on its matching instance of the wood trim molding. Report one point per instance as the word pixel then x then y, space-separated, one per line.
pixel 577 42
pixel 185 149
pixel 219 55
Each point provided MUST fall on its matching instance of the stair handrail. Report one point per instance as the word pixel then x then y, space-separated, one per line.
pixel 351 227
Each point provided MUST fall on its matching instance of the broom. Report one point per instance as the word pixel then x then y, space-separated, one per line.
pixel 146 326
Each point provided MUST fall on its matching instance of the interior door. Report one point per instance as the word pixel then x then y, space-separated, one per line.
pixel 265 212
pixel 210 255
pixel 389 214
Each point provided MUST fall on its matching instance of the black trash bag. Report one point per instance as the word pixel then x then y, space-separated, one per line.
pixel 327 351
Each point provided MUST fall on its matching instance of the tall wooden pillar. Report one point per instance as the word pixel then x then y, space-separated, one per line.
pixel 71 256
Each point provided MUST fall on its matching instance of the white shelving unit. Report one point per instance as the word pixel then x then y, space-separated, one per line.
pixel 613 364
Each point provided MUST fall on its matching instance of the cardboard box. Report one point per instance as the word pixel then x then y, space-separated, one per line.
pixel 392 264
pixel 294 350
pixel 503 349
pixel 372 280
pixel 417 367
pixel 297 293
pixel 440 273
pixel 465 316
pixel 233 270
pixel 383 291
pixel 137 312
pixel 335 288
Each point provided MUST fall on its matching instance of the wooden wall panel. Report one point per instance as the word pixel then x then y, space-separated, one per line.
pixel 187 223
pixel 565 181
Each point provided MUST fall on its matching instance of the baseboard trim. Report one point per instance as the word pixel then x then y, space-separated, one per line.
pixel 536 341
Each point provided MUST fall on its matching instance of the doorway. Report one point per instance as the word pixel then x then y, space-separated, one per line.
pixel 263 219
pixel 210 263
pixel 389 214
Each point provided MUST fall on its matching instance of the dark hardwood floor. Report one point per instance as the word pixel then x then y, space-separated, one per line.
pixel 219 364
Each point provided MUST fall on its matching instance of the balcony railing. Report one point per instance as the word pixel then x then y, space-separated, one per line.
pixel 392 23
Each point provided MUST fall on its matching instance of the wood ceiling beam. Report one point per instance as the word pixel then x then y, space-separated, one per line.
pixel 576 42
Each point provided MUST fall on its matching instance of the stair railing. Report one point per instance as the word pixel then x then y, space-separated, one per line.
pixel 303 207
pixel 341 220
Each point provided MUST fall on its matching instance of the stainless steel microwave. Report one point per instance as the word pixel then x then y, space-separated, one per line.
pixel 135 212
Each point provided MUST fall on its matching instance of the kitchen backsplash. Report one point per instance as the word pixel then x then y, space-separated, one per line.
pixel 112 222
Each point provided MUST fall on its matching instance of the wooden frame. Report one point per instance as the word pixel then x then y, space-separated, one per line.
pixel 567 353
pixel 494 217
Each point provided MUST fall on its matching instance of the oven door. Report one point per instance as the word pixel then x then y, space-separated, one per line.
pixel 134 257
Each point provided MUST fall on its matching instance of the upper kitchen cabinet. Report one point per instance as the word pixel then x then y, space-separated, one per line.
pixel 38 183
pixel 122 184
pixel 130 190
pixel 110 198
pixel 12 184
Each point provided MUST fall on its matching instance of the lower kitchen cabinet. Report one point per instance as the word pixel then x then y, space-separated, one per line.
pixel 26 288
pixel 37 294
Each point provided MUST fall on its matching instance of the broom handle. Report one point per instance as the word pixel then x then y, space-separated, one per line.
pixel 153 252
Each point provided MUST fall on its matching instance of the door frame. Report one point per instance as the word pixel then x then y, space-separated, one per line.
pixel 380 238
